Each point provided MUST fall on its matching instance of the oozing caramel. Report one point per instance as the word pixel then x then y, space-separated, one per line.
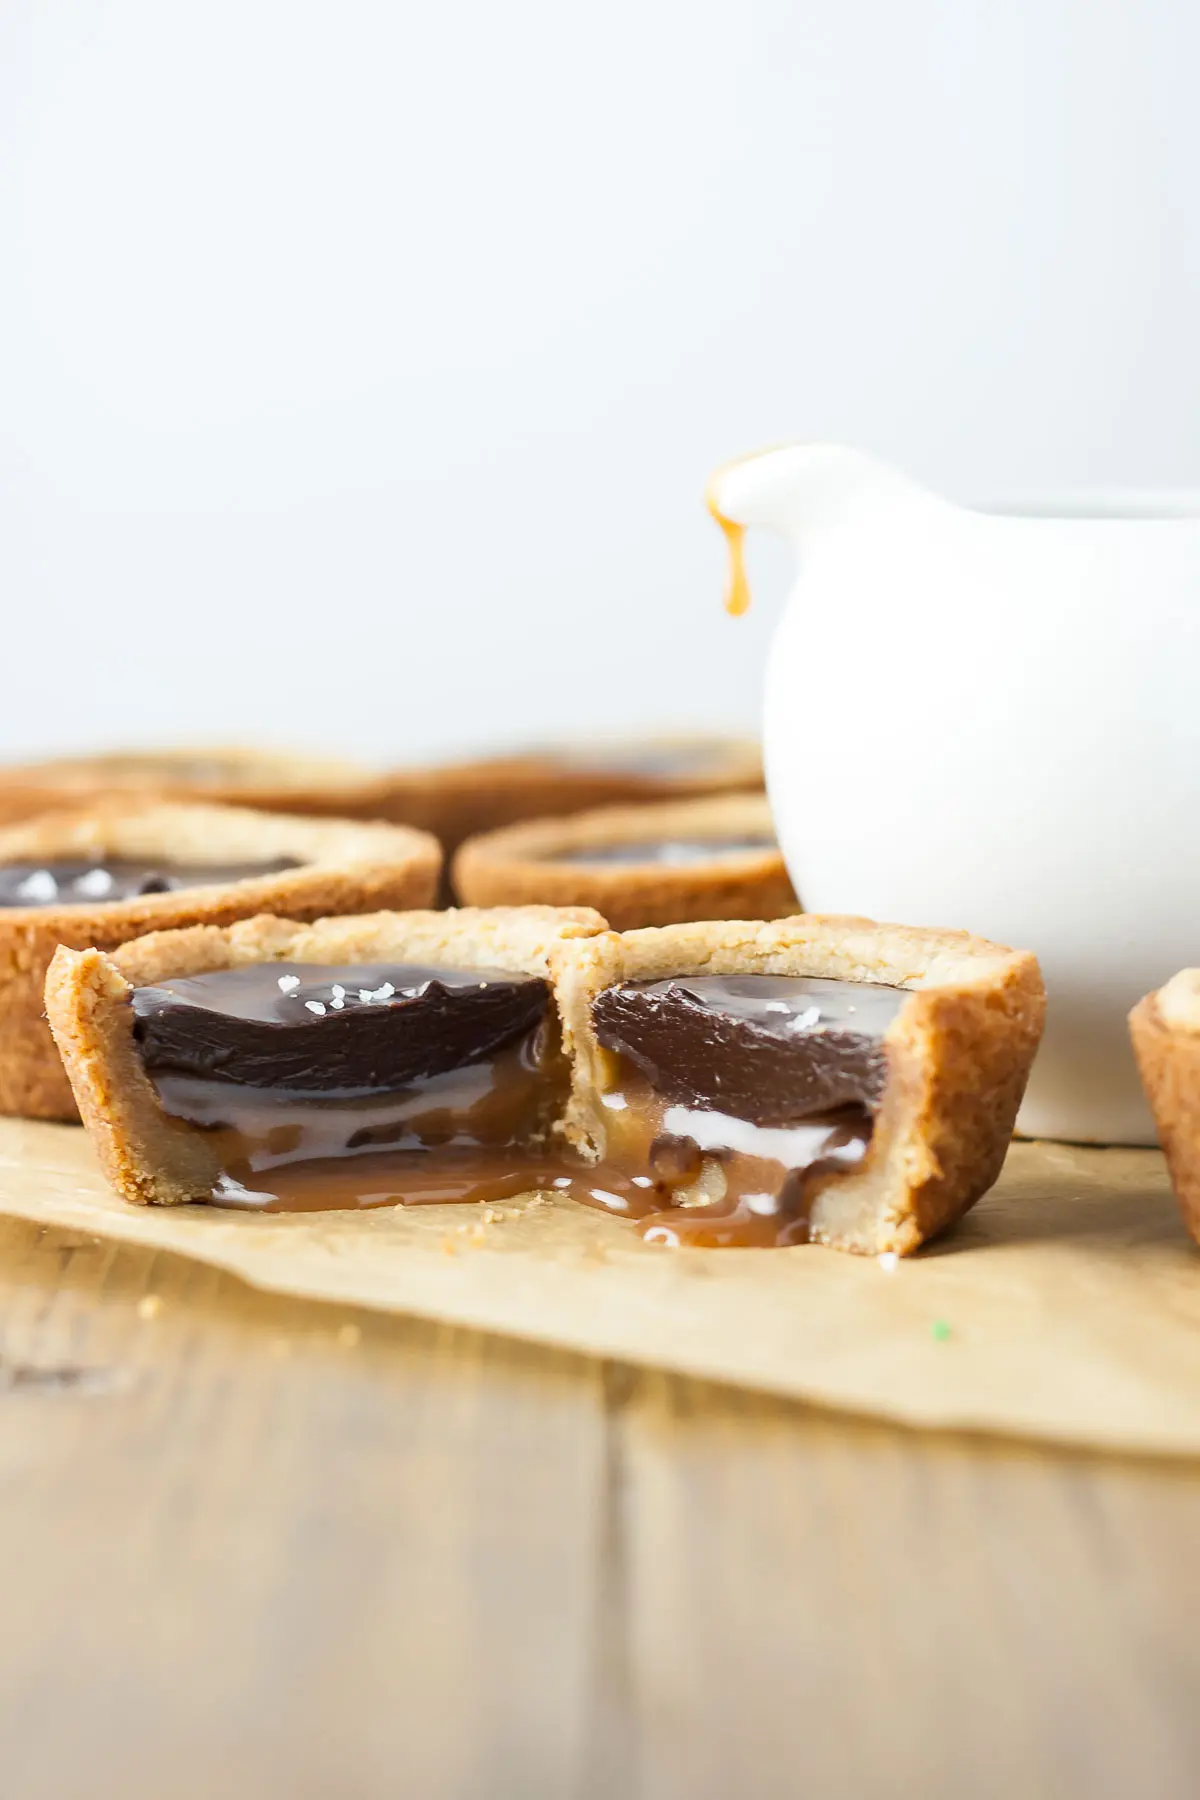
pixel 701 1177
pixel 737 592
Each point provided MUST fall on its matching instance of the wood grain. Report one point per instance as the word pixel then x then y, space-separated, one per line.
pixel 251 1547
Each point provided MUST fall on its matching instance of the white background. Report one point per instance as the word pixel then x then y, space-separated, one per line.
pixel 361 363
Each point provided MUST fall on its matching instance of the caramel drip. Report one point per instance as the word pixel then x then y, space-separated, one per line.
pixel 737 591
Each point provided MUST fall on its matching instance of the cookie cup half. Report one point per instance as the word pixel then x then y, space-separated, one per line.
pixel 151 1157
pixel 958 1054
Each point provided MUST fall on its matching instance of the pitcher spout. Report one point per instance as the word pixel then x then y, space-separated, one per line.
pixel 803 484
pixel 798 489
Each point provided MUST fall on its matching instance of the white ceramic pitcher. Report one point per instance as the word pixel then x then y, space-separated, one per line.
pixel 993 721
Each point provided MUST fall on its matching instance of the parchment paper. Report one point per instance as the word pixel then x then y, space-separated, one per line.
pixel 1067 1306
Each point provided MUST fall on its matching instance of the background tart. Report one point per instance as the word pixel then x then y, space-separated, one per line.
pixel 267 781
pixel 958 1053
pixel 1166 1039
pixel 545 860
pixel 341 866
pixel 152 1158
pixel 452 800
pixel 483 796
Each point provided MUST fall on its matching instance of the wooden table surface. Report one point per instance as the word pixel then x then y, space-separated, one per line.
pixel 253 1547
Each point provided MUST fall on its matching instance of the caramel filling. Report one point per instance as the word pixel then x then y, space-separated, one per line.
pixel 696 1176
pixel 469 1134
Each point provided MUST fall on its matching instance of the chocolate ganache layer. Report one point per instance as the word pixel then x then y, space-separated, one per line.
pixel 673 853
pixel 74 882
pixel 772 1050
pixel 323 1029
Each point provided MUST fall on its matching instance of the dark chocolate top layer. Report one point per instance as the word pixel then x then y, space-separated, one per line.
pixel 771 1049
pixel 670 852
pixel 75 883
pixel 321 1029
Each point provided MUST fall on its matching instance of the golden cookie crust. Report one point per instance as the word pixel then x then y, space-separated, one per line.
pixel 345 867
pixel 959 1053
pixel 1165 1028
pixel 150 1157
pixel 517 864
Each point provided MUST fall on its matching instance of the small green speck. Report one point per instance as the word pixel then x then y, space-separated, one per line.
pixel 941 1331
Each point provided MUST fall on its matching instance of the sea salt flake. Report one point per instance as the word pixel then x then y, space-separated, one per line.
pixel 288 984
pixel 338 1002
pixel 95 883
pixel 315 1006
pixel 889 1262
pixel 777 1006
pixel 39 886
pixel 338 992
pixel 806 1020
